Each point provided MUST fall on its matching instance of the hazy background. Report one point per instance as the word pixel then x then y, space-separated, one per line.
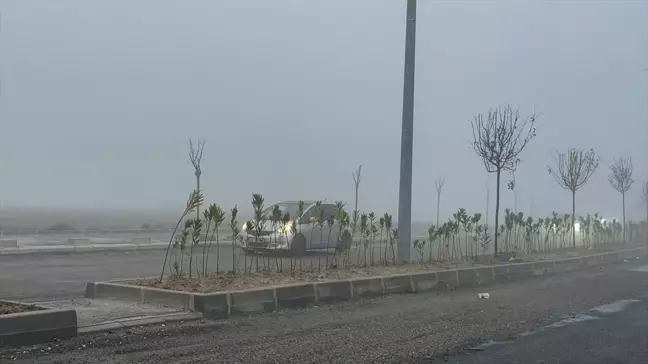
pixel 99 99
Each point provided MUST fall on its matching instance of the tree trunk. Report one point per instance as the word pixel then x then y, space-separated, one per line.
pixel 497 204
pixel 646 229
pixel 355 207
pixel 624 220
pixel 198 189
pixel 438 205
pixel 573 222
pixel 487 205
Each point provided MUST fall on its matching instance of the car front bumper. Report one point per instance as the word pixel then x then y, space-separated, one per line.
pixel 266 243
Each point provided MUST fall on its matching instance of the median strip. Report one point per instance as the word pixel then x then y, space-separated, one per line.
pixel 269 299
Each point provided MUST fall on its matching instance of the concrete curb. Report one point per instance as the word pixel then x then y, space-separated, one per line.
pixel 269 299
pixel 35 327
pixel 138 321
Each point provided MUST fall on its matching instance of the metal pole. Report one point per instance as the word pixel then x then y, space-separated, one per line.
pixel 405 188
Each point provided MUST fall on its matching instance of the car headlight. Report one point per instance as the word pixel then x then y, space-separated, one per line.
pixel 287 227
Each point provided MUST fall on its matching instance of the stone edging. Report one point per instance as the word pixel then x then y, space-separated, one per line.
pixel 35 327
pixel 225 304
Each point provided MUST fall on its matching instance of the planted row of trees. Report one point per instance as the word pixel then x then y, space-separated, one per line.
pixel 464 236
pixel 499 138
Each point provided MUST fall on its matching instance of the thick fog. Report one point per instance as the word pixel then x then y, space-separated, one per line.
pixel 99 100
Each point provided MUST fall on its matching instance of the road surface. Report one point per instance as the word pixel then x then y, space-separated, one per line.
pixel 617 337
pixel 415 328
pixel 46 277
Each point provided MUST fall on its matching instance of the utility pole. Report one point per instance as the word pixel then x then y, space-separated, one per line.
pixel 407 135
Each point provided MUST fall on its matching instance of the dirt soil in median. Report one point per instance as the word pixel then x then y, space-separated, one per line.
pixel 240 281
pixel 8 308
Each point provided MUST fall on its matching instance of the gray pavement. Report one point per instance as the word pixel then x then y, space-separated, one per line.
pixel 48 277
pixel 415 328
pixel 618 337
pixel 92 312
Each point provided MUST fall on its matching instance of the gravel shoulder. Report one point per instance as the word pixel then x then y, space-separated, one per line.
pixel 398 329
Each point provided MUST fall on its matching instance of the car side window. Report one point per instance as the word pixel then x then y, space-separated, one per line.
pixel 306 217
pixel 329 210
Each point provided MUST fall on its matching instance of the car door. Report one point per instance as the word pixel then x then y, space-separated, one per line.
pixel 316 238
pixel 321 237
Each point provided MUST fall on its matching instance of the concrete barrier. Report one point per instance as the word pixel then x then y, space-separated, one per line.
pixel 520 271
pixel 168 297
pixel 485 276
pixel 447 280
pixel 334 291
pixel 591 260
pixel 299 295
pixel 225 304
pixel 500 273
pixel 424 282
pixel 467 277
pixel 367 287
pixel 213 305
pixel 5 243
pixel 568 265
pixel 253 301
pixel 542 268
pixel 116 290
pixel 39 326
pixel 398 284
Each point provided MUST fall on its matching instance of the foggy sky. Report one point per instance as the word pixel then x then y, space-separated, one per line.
pixel 99 99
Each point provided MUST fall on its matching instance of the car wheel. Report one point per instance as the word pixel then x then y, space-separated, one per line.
pixel 344 243
pixel 298 246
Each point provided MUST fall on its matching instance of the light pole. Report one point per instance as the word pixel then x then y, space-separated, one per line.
pixel 405 187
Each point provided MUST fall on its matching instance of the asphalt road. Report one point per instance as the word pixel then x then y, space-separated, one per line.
pixel 620 337
pixel 415 328
pixel 46 277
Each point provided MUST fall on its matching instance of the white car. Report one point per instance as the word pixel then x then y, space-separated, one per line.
pixel 306 236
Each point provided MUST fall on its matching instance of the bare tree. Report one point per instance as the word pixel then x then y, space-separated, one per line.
pixel 195 156
pixel 572 171
pixel 439 186
pixel 620 178
pixel 356 180
pixel 644 187
pixel 498 139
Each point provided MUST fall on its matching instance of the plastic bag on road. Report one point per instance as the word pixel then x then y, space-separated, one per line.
pixel 483 296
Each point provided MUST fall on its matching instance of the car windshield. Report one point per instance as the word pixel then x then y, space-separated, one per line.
pixel 290 207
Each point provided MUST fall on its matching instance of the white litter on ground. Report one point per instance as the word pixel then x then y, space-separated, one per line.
pixel 483 296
